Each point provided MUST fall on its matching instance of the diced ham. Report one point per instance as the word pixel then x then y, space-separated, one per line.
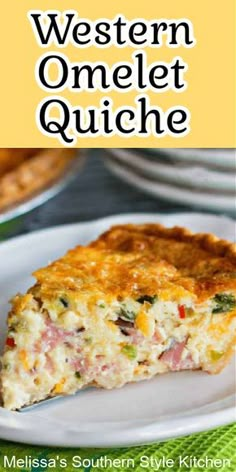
pixel 173 357
pixel 51 337
pixel 80 365
pixel 49 364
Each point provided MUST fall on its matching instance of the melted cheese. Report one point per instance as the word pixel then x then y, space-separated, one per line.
pixel 86 320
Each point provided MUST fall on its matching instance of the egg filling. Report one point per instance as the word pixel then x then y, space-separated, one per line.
pixel 57 347
pixel 139 301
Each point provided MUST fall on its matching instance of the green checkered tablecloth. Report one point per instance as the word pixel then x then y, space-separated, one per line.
pixel 211 451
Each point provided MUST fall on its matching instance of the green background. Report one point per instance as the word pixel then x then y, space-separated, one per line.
pixel 218 444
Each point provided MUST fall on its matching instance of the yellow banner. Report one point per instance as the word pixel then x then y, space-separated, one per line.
pixel 159 73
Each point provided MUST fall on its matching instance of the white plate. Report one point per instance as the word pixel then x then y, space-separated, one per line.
pixel 193 197
pixel 167 406
pixel 196 177
pixel 212 157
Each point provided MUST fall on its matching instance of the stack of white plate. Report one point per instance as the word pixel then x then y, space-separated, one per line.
pixel 204 178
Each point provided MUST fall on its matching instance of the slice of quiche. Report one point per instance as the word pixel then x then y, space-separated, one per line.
pixel 139 301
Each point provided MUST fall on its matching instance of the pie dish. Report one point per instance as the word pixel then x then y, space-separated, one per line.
pixel 139 301
pixel 25 172
pixel 12 158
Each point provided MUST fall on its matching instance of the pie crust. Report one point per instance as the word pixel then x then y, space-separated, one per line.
pixel 139 301
pixel 25 172
pixel 204 263
pixel 131 234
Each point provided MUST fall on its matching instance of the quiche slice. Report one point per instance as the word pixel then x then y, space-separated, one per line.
pixel 139 301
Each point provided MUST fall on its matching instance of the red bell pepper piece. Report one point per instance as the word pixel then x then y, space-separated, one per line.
pixel 182 313
pixel 10 342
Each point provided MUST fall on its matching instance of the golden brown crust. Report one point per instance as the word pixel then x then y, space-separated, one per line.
pixel 28 172
pixel 12 158
pixel 205 264
pixel 205 241
pixel 131 260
